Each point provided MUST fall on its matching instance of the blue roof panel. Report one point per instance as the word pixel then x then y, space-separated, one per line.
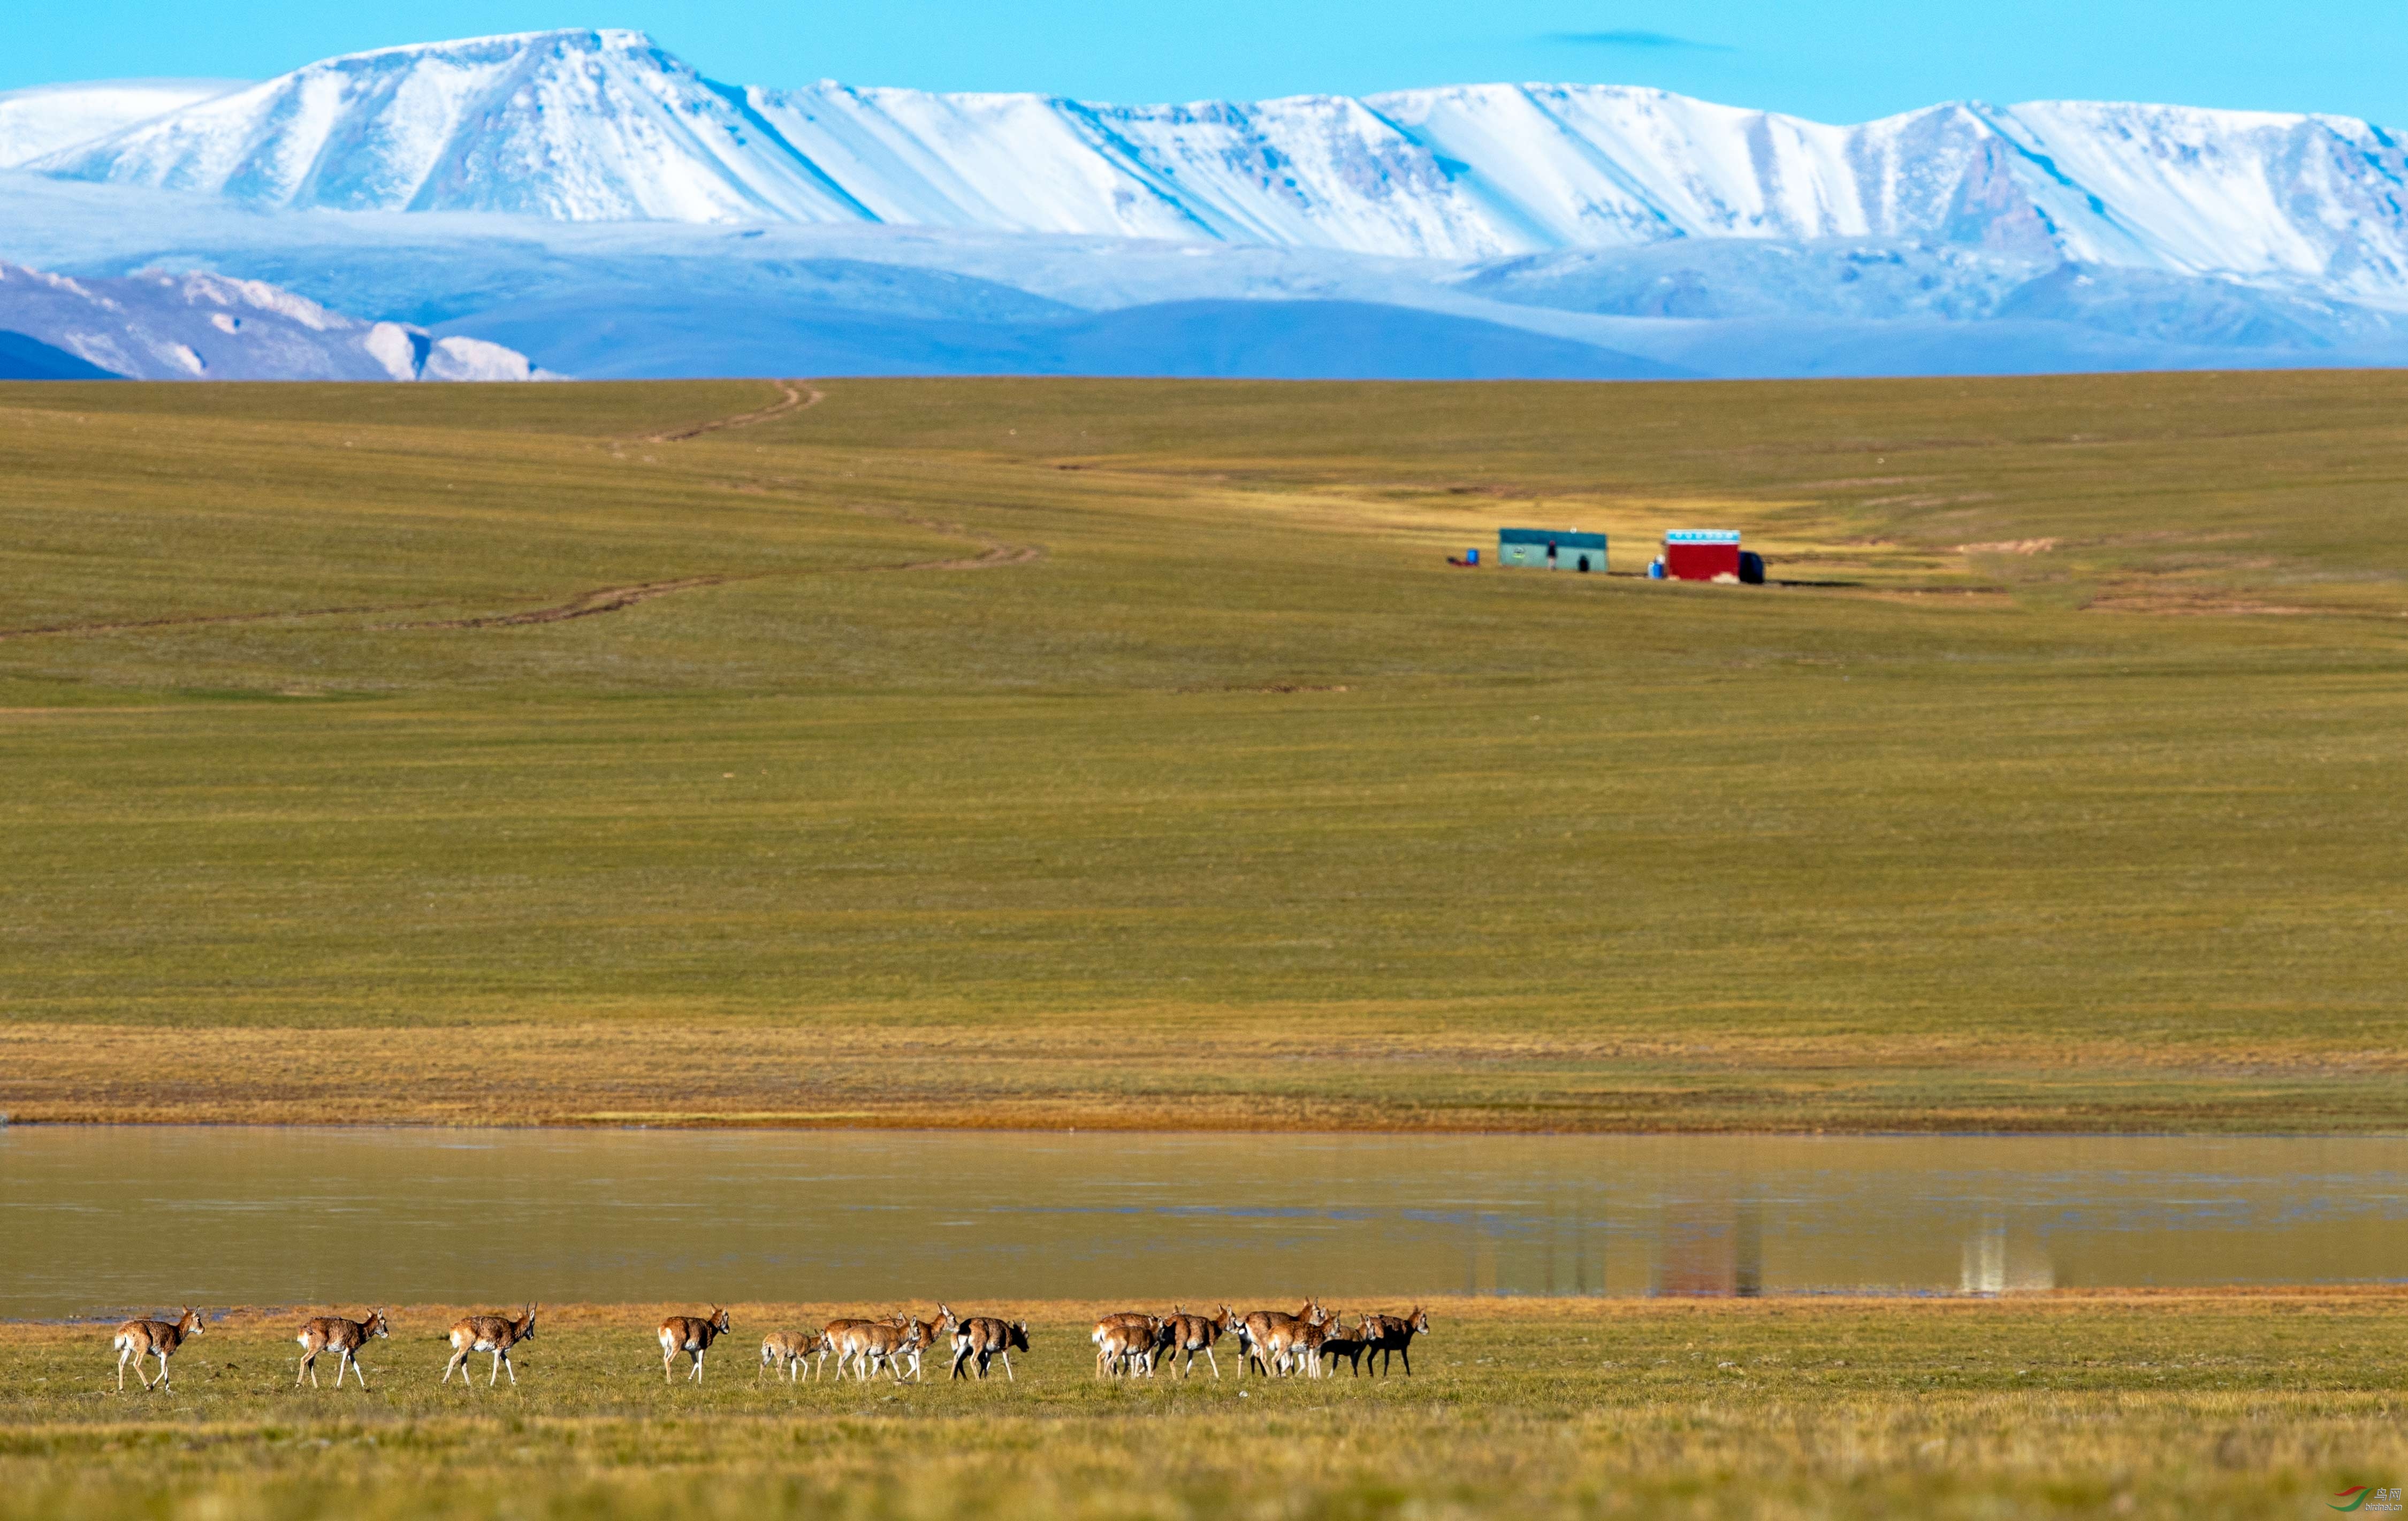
pixel 1563 539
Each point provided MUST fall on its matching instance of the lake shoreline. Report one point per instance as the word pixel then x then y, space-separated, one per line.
pixel 1203 1071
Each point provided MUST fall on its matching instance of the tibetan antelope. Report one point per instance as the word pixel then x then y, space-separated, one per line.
pixel 985 1337
pixel 1336 1345
pixel 871 1344
pixel 1266 1334
pixel 1299 1346
pixel 496 1334
pixel 930 1332
pixel 344 1338
pixel 1125 1342
pixel 139 1339
pixel 835 1337
pixel 1303 1348
pixel 1192 1334
pixel 1393 1336
pixel 693 1336
pixel 789 1350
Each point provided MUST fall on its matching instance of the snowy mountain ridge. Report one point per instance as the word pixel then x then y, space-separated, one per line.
pixel 48 118
pixel 606 125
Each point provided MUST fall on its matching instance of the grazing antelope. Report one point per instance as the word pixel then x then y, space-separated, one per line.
pixel 789 1350
pixel 984 1337
pixel 693 1336
pixel 930 1331
pixel 1192 1334
pixel 496 1334
pixel 1124 1342
pixel 1267 1332
pixel 139 1339
pixel 1393 1335
pixel 344 1338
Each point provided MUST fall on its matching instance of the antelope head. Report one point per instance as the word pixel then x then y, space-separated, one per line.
pixel 376 1325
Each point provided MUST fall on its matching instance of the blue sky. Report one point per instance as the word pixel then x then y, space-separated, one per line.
pixel 1841 61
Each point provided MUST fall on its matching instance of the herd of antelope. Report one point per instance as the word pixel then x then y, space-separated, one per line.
pixel 1311 1341
pixel 1127 1345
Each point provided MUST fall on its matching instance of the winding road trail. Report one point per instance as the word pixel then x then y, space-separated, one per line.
pixel 797 397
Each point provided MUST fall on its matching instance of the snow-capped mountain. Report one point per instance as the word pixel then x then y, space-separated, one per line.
pixel 50 116
pixel 195 326
pixel 591 200
pixel 606 125
pixel 591 126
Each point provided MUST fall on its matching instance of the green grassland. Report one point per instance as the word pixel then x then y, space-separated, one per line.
pixel 2196 1405
pixel 1010 752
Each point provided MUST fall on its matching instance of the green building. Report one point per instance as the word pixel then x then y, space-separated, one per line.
pixel 1547 549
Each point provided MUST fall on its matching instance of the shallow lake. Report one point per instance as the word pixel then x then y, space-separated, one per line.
pixel 98 1219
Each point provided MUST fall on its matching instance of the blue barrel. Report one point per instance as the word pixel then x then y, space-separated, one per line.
pixel 1472 557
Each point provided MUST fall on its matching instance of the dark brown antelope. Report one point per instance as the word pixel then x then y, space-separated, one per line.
pixel 1336 1345
pixel 985 1337
pixel 1390 1336
pixel 139 1339
pixel 1192 1334
pixel 344 1338
pixel 787 1350
pixel 496 1334
pixel 693 1336
pixel 1267 1332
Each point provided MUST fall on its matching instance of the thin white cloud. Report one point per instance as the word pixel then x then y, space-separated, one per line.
pixel 1655 41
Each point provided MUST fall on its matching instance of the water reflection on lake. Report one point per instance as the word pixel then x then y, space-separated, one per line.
pixel 97 1218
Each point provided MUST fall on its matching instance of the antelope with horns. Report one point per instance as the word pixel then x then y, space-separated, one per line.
pixel 693 1336
pixel 789 1350
pixel 1192 1334
pixel 985 1337
pixel 496 1334
pixel 1124 1342
pixel 344 1338
pixel 1266 1334
pixel 930 1331
pixel 1392 1335
pixel 139 1339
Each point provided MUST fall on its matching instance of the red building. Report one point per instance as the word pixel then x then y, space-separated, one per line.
pixel 1700 553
